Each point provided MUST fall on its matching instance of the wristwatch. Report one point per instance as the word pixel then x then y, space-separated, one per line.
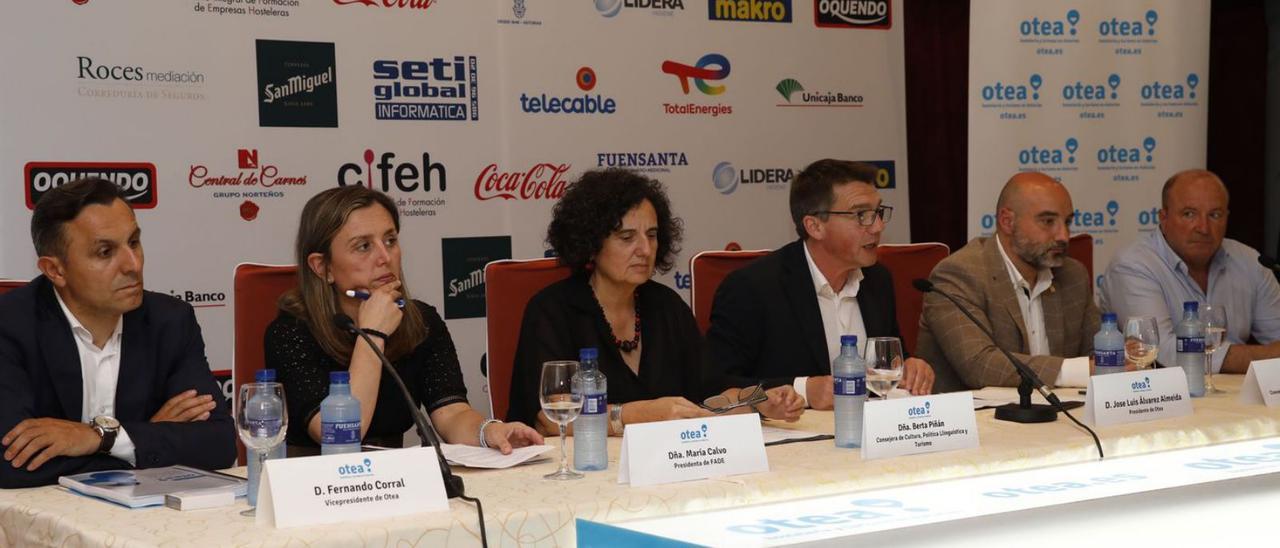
pixel 107 427
pixel 615 418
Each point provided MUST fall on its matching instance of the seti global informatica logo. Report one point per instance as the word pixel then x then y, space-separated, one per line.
pixel 440 88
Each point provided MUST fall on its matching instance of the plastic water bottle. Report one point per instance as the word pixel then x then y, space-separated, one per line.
pixel 591 428
pixel 849 383
pixel 1191 357
pixel 264 410
pixel 339 417
pixel 1108 347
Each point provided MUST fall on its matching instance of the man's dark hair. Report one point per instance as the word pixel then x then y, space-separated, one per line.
pixel 813 189
pixel 63 204
pixel 593 207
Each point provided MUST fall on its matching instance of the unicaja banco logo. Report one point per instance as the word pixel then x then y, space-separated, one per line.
pixel 362 468
pixel 700 73
pixel 796 96
pixel 697 434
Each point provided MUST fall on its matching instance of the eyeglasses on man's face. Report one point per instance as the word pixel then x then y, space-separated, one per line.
pixel 865 217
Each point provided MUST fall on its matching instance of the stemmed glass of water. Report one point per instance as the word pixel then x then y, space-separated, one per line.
pixel 1141 341
pixel 261 420
pixel 1214 317
pixel 562 405
pixel 883 356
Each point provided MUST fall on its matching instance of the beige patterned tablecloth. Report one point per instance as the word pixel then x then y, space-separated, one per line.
pixel 521 508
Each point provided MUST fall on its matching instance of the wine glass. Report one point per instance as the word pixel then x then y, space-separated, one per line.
pixel 1141 341
pixel 1214 317
pixel 562 405
pixel 883 356
pixel 261 421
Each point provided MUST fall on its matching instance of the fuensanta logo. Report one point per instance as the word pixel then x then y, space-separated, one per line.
pixel 544 181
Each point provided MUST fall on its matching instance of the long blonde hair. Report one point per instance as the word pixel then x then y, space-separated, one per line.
pixel 315 301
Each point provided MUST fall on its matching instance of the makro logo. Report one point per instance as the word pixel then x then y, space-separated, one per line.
pixel 1037 30
pixel 583 104
pixel 1049 158
pixel 920 411
pixel 765 11
pixel 1243 461
pixel 1129 30
pixel 796 95
pixel 1083 93
pixel 406 4
pixel 1128 157
pixel 726 179
pixel 853 14
pixel 543 181
pixel 699 73
pixel 699 434
pixel 1095 221
pixel 611 8
pixel 297 84
pixel 440 88
pixel 1143 385
pixel 136 179
pixel 250 174
pixel 651 162
pixel 363 468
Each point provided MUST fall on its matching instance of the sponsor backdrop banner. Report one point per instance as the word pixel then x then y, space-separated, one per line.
pixel 221 118
pixel 1108 97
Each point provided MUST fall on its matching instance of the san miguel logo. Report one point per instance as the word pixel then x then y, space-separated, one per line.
pixel 853 14
pixel 544 181
pixel 406 4
pixel 136 179
pixel 297 85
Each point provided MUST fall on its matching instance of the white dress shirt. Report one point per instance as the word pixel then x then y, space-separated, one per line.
pixel 1075 371
pixel 99 374
pixel 840 313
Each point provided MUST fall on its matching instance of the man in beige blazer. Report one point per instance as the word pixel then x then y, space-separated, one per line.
pixel 1021 285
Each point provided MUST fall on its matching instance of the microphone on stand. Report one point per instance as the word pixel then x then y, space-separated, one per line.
pixel 1024 411
pixel 452 483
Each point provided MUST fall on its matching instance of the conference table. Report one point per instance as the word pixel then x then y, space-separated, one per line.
pixel 523 509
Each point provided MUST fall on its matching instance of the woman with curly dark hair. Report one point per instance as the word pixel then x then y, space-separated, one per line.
pixel 614 228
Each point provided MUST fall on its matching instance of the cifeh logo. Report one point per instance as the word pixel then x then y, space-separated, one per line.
pixel 106 79
pixel 439 88
pixel 1012 98
pixel 726 179
pixel 853 14
pixel 1050 158
pixel 795 95
pixel 542 181
pixel 764 11
pixel 418 187
pixel 137 180
pixel 712 67
pixel 463 261
pixel 651 162
pixel 585 103
pixel 297 84
pixel 403 4
pixel 611 8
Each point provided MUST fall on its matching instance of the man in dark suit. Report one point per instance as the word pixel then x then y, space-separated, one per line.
pixel 97 373
pixel 779 319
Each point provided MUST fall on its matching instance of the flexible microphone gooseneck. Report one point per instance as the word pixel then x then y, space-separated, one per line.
pixel 452 483
pixel 1023 411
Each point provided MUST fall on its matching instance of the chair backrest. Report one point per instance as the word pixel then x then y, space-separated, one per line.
pixel 1080 248
pixel 257 288
pixel 509 284
pixel 708 269
pixel 7 285
pixel 907 262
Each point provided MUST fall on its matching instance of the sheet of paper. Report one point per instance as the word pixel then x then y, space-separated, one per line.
pixel 479 457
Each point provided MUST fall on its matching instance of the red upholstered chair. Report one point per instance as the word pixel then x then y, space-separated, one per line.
pixel 6 285
pixel 1080 248
pixel 509 284
pixel 708 269
pixel 908 262
pixel 257 288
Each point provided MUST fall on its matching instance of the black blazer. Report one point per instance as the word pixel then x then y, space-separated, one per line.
pixel 766 325
pixel 162 354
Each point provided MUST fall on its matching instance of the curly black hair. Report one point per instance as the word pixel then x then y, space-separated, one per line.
pixel 592 208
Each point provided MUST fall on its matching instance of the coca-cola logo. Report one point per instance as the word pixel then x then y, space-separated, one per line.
pixel 251 173
pixel 411 4
pixel 544 181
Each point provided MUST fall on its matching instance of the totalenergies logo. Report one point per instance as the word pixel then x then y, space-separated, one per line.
pixel 700 73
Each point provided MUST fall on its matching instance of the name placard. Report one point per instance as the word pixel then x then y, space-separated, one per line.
pixel 338 488
pixel 921 424
pixel 1137 396
pixel 1262 383
pixel 689 449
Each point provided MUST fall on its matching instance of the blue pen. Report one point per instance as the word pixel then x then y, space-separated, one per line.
pixel 364 296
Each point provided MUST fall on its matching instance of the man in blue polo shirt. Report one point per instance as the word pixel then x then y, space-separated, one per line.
pixel 1189 259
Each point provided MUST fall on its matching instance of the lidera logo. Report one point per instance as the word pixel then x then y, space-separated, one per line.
pixel 610 8
pixel 1001 91
pixel 1050 27
pixel 1113 154
pixel 1172 91
pixel 1049 156
pixel 1116 27
pixel 724 178
pixel 1081 91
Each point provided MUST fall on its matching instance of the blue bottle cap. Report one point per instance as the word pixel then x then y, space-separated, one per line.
pixel 848 340
pixel 588 354
pixel 339 377
pixel 1108 317
pixel 265 375
pixel 1191 306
